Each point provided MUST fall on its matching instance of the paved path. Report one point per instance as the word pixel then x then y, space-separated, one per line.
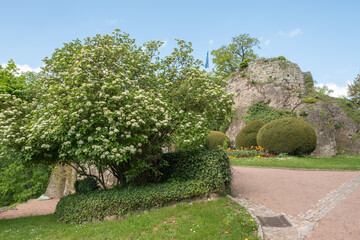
pixel 33 207
pixel 318 204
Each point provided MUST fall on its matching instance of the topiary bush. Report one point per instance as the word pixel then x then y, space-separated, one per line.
pixel 188 174
pixel 86 185
pixel 287 135
pixel 247 135
pixel 216 139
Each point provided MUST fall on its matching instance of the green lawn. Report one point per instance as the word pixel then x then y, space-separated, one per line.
pixel 341 162
pixel 220 219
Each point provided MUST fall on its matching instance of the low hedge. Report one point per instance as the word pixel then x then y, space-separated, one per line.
pixel 97 205
pixel 210 166
pixel 188 174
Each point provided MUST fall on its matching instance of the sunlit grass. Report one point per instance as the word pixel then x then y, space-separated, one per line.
pixel 341 162
pixel 220 219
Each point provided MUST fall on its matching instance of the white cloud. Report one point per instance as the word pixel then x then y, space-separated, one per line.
pixel 339 91
pixel 267 42
pixel 292 33
pixel 211 42
pixel 24 68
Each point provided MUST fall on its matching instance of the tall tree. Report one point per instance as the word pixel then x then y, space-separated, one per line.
pixel 18 182
pixel 354 90
pixel 227 58
pixel 109 103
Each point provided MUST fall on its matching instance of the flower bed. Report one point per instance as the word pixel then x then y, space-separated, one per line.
pixel 253 152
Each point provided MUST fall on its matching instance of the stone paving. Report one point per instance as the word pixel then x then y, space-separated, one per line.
pixel 303 223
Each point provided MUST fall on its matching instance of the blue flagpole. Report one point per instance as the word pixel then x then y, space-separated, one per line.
pixel 207 60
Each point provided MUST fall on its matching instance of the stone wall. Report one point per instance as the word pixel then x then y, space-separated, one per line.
pixel 282 72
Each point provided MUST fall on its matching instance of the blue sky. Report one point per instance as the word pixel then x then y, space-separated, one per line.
pixel 320 36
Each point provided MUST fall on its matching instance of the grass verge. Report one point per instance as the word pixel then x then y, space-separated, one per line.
pixel 341 162
pixel 220 219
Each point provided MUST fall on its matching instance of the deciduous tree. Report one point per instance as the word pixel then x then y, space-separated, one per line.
pixel 109 103
pixel 227 58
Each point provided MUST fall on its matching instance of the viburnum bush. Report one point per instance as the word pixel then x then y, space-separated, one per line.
pixel 107 102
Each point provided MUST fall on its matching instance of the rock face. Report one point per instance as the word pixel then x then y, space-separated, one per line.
pixel 282 85
pixel 63 178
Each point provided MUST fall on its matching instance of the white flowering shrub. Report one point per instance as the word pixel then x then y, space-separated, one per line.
pixel 107 102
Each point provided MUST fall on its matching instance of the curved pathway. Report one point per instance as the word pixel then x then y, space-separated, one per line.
pixel 318 204
pixel 32 207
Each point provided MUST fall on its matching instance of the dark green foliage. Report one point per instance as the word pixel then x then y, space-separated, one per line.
pixel 288 135
pixel 262 112
pixel 210 166
pixel 86 185
pixel 339 125
pixel 99 204
pixel 188 174
pixel 216 139
pixel 247 135
pixel 245 63
pixel 303 113
pixel 19 183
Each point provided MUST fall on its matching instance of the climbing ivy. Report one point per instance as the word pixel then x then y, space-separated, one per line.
pixel 265 113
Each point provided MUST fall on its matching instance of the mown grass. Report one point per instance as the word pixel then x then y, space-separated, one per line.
pixel 341 162
pixel 220 219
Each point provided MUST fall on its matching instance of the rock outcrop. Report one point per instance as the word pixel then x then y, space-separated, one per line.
pixel 283 86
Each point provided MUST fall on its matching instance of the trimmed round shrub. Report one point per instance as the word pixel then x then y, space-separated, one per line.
pixel 215 139
pixel 86 185
pixel 247 135
pixel 287 135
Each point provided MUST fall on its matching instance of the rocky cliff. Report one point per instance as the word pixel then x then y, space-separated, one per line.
pixel 283 85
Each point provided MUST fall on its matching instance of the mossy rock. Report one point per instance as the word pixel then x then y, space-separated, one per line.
pixel 247 135
pixel 215 139
pixel 287 135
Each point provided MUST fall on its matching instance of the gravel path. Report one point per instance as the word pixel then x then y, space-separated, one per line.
pixel 318 204
pixel 31 208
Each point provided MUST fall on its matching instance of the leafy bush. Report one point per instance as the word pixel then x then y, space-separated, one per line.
pixel 245 63
pixel 309 100
pixel 86 185
pixel 97 205
pixel 288 135
pixel 19 183
pixel 247 135
pixel 210 166
pixel 188 174
pixel 265 113
pixel 280 58
pixel 216 139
